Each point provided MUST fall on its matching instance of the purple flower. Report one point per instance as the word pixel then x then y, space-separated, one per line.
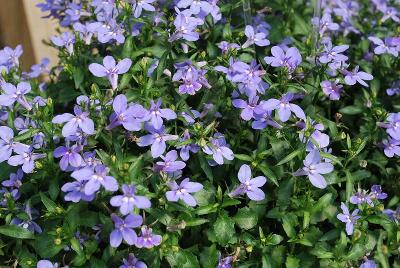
pixel 109 31
pixel 124 229
pixel 391 147
pixel 225 262
pixel 225 46
pixel 313 168
pixel 376 192
pixel 263 118
pixel 86 31
pixel 218 149
pixel 193 78
pixel 183 191
pixel 331 89
pixel 76 192
pixel 15 94
pixel 156 139
pixel 15 180
pixel 66 40
pixel 10 57
pixel 129 116
pixel 129 200
pixel 195 6
pixel 132 262
pixel 155 115
pixel 110 69
pixel 393 125
pixel 147 239
pixel 284 107
pixel 139 5
pixel 249 77
pixel 249 186
pixel 390 13
pixel 185 26
pixel 351 77
pixel 254 38
pixel 38 69
pixel 290 60
pixel 349 219
pixel 28 223
pixel 249 108
pixel 361 197
pixel 325 23
pixel 25 157
pixel 80 120
pixel 7 145
pixel 6 194
pixel 333 54
pixel 394 89
pixel 69 156
pixel 170 164
pixel 383 47
pixel 317 138
pixel 46 264
pixel 394 215
pixel 95 177
pixel 186 149
pixel 368 264
pixel 90 159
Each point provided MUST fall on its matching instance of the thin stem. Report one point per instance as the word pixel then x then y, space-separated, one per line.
pixel 317 14
pixel 247 12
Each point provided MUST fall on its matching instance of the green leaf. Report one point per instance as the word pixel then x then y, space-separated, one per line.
pixel 79 76
pixel 48 203
pixel 288 223
pixel 128 48
pixel 246 218
pixel 206 167
pixel 274 239
pixel 16 232
pixel 268 173
pixel 162 64
pixel 243 157
pixel 45 246
pixel 351 110
pixel 349 185
pixel 196 222
pixel 292 262
pixel 334 159
pixel 224 228
pixel 96 263
pixel 27 135
pixel 183 259
pixel 290 157
pixel 209 257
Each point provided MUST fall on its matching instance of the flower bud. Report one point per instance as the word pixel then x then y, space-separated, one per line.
pixel 249 248
pixel 363 163
pixel 57 241
pixel 357 234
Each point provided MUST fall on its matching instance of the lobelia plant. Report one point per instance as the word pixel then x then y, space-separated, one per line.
pixel 192 134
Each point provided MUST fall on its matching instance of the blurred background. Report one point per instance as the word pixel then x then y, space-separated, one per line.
pixel 21 22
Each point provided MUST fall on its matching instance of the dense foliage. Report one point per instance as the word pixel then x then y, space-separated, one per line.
pixel 204 133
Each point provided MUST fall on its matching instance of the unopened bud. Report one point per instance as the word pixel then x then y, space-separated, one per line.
pixel 57 241
pixel 357 234
pixel 363 163
pixel 249 249
pixel 167 72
